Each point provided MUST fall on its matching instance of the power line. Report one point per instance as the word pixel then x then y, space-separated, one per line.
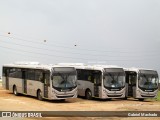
pixel 61 46
pixel 49 49
pixel 58 50
pixel 49 55
pixel 64 56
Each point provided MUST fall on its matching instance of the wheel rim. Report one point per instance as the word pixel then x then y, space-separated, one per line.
pixel 15 91
pixel 40 95
pixel 88 94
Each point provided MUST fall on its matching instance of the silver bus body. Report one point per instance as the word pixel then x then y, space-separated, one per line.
pixel 94 81
pixel 141 83
pixel 38 80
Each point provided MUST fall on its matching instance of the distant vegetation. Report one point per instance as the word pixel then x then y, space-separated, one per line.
pixel 158 97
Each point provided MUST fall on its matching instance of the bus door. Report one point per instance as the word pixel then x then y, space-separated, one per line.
pixel 131 81
pixel 46 83
pixel 97 83
pixel 96 89
pixel 7 78
pixel 24 83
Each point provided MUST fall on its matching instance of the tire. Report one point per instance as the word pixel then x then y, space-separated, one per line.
pixel 39 95
pixel 109 99
pixel 141 99
pixel 125 98
pixel 62 100
pixel 15 91
pixel 88 95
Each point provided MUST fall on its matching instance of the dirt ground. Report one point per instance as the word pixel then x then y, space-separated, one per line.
pixel 9 102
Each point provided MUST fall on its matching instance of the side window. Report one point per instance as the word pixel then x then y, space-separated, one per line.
pixel 18 73
pixel 15 73
pixel 88 75
pixel 5 71
pixel 89 78
pixel 97 77
pixel 129 79
pixel 31 74
pixel 12 72
pixel 39 75
pixel 78 74
pixel 85 75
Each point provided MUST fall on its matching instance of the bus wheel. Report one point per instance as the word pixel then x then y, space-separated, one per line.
pixel 88 94
pixel 15 90
pixel 39 95
pixel 62 100
pixel 125 98
pixel 141 99
pixel 109 99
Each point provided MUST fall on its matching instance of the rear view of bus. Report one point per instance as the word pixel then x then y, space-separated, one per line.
pixel 64 82
pixel 113 83
pixel 142 83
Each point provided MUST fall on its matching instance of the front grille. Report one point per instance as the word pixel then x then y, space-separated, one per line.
pixel 114 95
pixel 148 95
pixel 65 96
pixel 64 89
pixel 114 89
pixel 148 90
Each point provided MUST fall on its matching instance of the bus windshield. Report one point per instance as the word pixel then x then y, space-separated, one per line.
pixel 148 79
pixel 114 78
pixel 64 78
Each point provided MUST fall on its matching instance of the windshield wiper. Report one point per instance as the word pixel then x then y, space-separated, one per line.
pixel 65 78
pixel 61 75
pixel 147 81
pixel 145 77
pixel 117 76
pixel 112 78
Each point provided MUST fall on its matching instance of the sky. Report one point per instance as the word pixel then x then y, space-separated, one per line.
pixel 113 32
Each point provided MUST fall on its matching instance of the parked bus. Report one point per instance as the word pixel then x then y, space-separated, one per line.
pixel 100 81
pixel 42 81
pixel 141 83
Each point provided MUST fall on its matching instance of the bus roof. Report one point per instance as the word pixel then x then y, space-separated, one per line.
pixel 32 65
pixel 89 67
pixel 71 64
pixel 136 69
pixel 40 66
pixel 107 66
